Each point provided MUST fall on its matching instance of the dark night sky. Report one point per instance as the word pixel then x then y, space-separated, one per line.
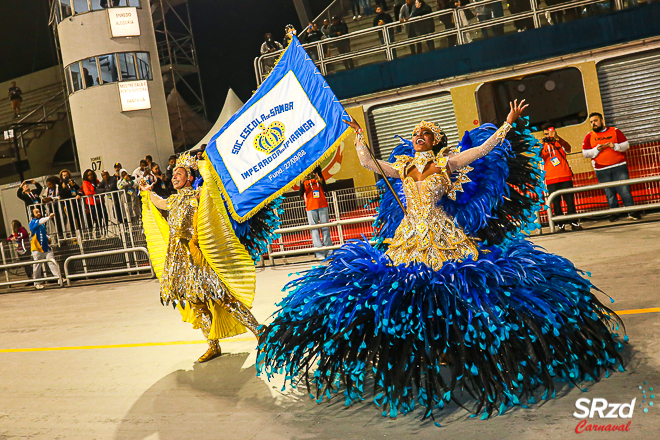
pixel 228 35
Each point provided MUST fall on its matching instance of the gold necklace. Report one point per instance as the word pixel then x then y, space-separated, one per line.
pixel 422 158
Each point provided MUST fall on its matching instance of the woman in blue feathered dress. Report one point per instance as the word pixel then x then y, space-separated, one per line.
pixel 452 297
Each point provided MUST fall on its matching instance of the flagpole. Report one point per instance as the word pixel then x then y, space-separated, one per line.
pixel 382 173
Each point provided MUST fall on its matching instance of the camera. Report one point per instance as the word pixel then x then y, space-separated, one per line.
pixel 548 140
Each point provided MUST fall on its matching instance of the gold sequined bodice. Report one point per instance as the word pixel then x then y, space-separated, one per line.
pixel 427 234
pixel 186 274
pixel 182 208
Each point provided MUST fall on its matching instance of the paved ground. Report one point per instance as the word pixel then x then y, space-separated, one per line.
pixel 158 391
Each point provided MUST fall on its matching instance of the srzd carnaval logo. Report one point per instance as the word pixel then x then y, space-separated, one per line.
pixel 587 408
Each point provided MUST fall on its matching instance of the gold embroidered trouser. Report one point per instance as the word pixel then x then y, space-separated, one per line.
pixel 203 315
pixel 243 315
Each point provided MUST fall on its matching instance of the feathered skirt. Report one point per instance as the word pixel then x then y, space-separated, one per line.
pixel 502 328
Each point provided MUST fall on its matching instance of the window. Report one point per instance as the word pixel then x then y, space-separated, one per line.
pixel 90 73
pixel 108 68
pixel 67 8
pixel 97 5
pixel 556 97
pixel 143 65
pixel 76 77
pixel 67 75
pixel 127 65
pixel 80 6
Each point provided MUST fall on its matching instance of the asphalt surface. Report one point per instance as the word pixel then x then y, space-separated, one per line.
pixel 107 361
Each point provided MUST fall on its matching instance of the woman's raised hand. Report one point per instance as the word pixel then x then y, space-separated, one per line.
pixel 516 110
pixel 144 186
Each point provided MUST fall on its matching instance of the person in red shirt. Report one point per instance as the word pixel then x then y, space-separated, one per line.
pixel 95 203
pixel 558 174
pixel 312 190
pixel 605 147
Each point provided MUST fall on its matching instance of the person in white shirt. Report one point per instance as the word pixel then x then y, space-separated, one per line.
pixel 139 172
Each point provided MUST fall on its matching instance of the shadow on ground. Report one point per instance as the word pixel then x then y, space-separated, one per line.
pixel 219 400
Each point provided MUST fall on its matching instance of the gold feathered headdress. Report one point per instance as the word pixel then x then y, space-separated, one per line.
pixel 438 134
pixel 187 162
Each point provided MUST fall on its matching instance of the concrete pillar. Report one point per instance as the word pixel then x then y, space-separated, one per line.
pixel 304 13
pixel 102 129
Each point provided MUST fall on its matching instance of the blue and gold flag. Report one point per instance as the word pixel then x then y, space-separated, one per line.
pixel 291 123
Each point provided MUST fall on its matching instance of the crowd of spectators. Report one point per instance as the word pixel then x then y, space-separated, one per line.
pixel 86 204
pixel 402 11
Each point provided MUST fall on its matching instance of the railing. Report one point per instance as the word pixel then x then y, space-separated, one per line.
pixel 378 44
pixel 130 269
pixel 39 117
pixel 43 107
pixel 337 224
pixel 350 211
pixel 552 196
pixel 88 217
pixel 336 8
pixel 5 267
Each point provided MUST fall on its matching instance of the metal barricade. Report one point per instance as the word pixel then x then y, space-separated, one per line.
pixel 135 268
pixel 88 217
pixel 344 204
pixel 307 250
pixel 551 197
pixel 4 267
pixel 378 44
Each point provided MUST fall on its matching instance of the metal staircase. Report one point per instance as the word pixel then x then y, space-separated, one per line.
pixel 45 108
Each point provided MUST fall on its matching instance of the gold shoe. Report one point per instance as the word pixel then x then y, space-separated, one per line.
pixel 213 352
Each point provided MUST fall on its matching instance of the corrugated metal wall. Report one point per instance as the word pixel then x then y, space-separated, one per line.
pixel 399 119
pixel 630 91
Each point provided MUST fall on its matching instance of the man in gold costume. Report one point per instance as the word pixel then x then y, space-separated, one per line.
pixel 203 268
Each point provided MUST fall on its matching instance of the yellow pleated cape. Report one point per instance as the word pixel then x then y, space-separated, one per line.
pixel 220 247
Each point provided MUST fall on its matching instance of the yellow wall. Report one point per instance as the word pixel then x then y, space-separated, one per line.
pixel 350 167
pixel 465 107
pixel 467 114
pixel 575 134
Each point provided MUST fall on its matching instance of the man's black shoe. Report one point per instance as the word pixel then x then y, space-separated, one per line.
pixel 614 217
pixel 634 216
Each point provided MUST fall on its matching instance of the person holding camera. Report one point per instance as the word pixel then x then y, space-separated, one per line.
pixel 29 196
pixel 558 174
pixel 312 190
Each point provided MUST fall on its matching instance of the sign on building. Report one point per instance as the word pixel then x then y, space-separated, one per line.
pixel 97 163
pixel 134 95
pixel 124 22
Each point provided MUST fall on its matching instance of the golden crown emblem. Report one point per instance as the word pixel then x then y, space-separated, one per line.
pixel 186 161
pixel 270 138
